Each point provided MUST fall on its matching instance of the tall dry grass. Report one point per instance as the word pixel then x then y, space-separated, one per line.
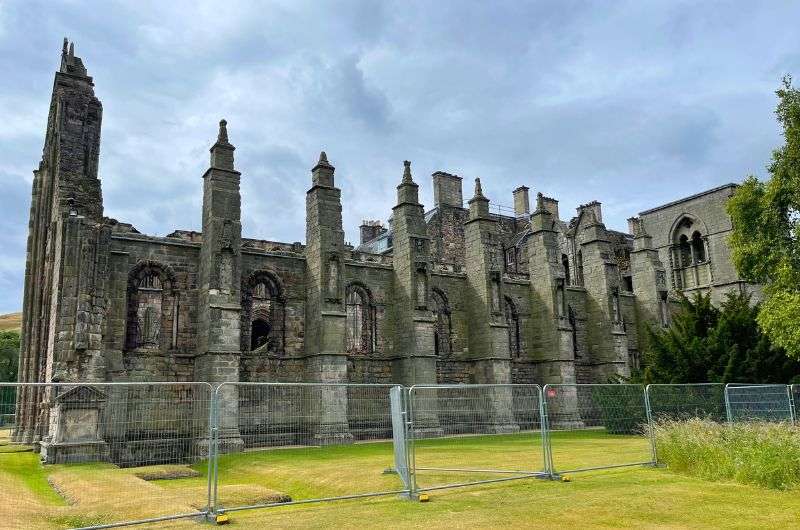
pixel 763 454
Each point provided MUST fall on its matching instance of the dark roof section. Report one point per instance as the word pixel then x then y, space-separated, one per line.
pixel 690 197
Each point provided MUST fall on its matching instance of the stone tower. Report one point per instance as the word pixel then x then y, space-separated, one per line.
pixel 552 330
pixel 649 279
pixel 607 340
pixel 488 336
pixel 325 314
pixel 61 279
pixel 414 339
pixel 219 284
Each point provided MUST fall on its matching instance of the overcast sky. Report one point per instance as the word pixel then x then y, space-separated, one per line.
pixel 630 103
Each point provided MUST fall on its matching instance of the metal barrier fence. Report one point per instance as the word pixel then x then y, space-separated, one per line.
pixel 597 426
pixel 460 435
pixel 771 403
pixel 242 446
pixel 277 422
pixel 144 429
pixel 686 401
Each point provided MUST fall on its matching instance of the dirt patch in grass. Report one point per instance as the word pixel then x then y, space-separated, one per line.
pixel 166 473
pixel 250 494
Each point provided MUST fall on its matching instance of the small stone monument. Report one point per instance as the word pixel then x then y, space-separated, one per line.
pixel 76 428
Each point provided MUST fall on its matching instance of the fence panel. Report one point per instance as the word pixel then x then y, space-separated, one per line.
pixel 104 453
pixel 293 443
pixel 686 401
pixel 399 410
pixel 597 426
pixel 770 403
pixel 471 434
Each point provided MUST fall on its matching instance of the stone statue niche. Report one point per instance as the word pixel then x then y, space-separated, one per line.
pixel 76 428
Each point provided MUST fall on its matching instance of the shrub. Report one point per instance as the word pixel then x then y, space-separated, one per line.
pixel 763 454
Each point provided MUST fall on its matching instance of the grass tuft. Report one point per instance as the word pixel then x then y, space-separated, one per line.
pixel 762 454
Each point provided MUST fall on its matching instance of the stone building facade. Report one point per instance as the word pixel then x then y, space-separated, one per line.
pixel 458 293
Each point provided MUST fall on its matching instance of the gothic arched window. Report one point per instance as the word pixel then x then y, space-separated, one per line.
pixel 690 259
pixel 442 342
pixel 512 321
pixel 152 308
pixel 579 269
pixel 684 251
pixel 565 263
pixel 360 320
pixel 698 247
pixel 263 314
pixel 573 322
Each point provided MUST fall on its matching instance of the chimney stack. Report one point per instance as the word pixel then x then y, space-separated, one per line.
pixel 522 204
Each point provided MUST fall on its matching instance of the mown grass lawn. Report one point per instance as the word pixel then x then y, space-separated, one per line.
pixel 32 496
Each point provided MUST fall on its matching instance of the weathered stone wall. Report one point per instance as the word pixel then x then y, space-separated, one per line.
pixel 707 211
pixel 453 295
pixel 173 359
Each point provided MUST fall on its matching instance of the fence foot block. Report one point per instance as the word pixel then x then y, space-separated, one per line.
pixel 554 476
pixel 222 518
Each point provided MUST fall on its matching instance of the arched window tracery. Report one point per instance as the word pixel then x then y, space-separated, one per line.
pixel 690 257
pixel 263 314
pixel 151 321
pixel 512 321
pixel 360 320
pixel 442 334
pixel 565 264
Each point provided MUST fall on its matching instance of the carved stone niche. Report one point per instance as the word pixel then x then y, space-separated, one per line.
pixel 76 428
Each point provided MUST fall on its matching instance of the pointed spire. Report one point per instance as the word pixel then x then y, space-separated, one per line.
pixel 222 150
pixel 64 47
pixel 71 50
pixel 478 189
pixel 407 173
pixel 323 160
pixel 322 173
pixel 407 190
pixel 222 137
pixel 478 204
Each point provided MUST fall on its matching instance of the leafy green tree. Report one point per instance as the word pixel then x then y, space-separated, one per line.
pixel 9 355
pixel 766 222
pixel 678 354
pixel 713 344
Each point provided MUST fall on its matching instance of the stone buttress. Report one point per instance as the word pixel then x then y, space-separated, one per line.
pixel 606 337
pixel 326 360
pixel 414 322
pixel 649 278
pixel 219 285
pixel 552 332
pixel 488 332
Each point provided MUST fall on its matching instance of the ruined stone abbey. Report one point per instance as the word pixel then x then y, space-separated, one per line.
pixel 457 292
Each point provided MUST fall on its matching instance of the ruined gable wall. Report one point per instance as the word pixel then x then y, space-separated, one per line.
pixel 715 223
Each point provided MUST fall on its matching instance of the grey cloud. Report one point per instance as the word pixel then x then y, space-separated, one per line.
pixel 630 103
